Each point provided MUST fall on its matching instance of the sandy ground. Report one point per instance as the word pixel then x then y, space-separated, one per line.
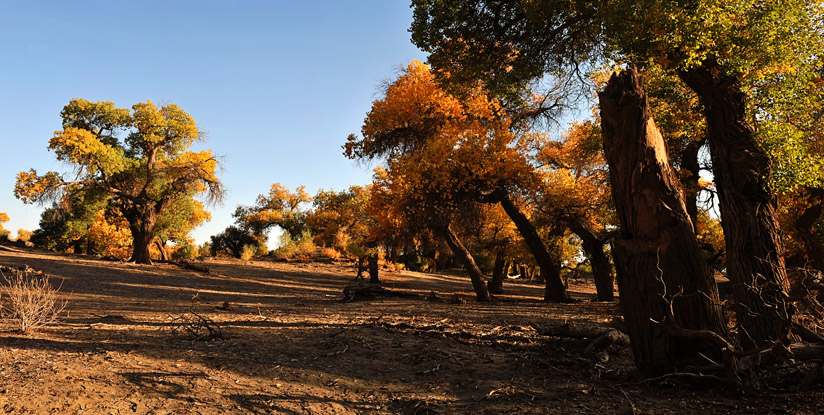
pixel 291 347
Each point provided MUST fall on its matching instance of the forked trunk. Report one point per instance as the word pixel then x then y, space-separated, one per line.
pixel 755 250
pixel 550 267
pixel 463 255
pixel 161 247
pixel 664 282
pixel 601 267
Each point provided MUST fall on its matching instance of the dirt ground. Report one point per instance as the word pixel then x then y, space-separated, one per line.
pixel 291 347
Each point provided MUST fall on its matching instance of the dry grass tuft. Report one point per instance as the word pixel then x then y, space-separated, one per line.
pixel 30 300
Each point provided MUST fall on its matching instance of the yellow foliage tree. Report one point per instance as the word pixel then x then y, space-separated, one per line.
pixel 139 159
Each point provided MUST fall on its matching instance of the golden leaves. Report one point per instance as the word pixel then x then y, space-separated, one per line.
pixel 84 148
pixel 31 188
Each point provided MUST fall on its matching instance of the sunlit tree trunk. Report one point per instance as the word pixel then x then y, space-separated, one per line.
pixel 661 273
pixel 161 247
pixel 755 250
pixel 141 224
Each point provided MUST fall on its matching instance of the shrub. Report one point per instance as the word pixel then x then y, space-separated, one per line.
pixel 185 251
pixel 291 248
pixel 205 250
pixel 331 253
pixel 30 300
pixel 247 252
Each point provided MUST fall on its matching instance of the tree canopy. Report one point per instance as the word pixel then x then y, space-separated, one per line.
pixel 139 159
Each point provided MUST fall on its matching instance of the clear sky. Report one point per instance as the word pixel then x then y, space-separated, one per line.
pixel 277 85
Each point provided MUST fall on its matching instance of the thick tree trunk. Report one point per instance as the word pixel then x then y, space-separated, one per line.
pixel 550 267
pixel 142 237
pixel 496 285
pixel 373 269
pixel 755 250
pixel 463 255
pixel 601 267
pixel 661 273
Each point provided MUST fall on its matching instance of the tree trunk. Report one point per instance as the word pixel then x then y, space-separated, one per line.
pixel 550 267
pixel 755 250
pixel 161 247
pixel 601 267
pixel 463 255
pixel 663 279
pixel 496 285
pixel 141 228
pixel 90 248
pixel 373 269
pixel 360 267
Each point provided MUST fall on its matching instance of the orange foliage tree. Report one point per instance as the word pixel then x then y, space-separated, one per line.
pixel 576 192
pixel 461 148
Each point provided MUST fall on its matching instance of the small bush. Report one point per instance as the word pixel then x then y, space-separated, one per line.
pixel 205 250
pixel 331 253
pixel 290 248
pixel 30 300
pixel 185 251
pixel 247 252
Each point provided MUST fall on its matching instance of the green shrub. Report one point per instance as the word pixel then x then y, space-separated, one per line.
pixel 291 248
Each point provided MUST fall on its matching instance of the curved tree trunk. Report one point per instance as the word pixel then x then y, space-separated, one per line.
pixel 661 273
pixel 601 267
pixel 161 247
pixel 755 250
pixel 463 255
pixel 550 267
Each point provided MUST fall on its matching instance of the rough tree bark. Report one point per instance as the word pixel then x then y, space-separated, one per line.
pixel 463 255
pixel 659 264
pixel 550 267
pixel 755 250
pixel 141 223
pixel 601 267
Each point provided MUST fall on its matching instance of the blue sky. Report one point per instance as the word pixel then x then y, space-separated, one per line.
pixel 277 85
